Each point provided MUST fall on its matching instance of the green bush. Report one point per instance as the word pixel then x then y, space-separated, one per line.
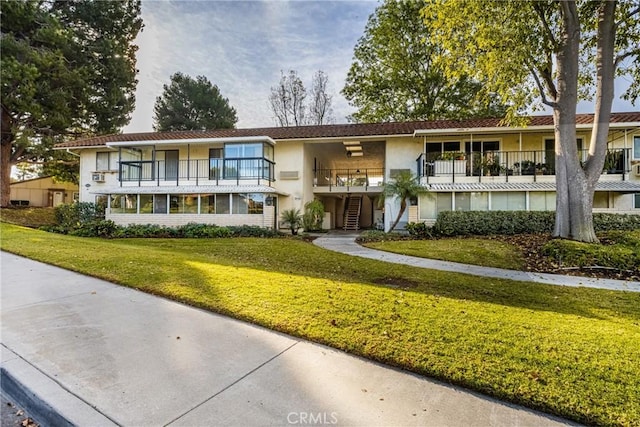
pixel 420 230
pixel 73 215
pixel 606 221
pixel 465 223
pixel 379 236
pixel 313 216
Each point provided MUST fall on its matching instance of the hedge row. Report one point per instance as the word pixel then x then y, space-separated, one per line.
pixel 483 223
pixel 109 229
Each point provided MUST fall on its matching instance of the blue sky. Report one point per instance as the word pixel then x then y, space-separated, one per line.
pixel 241 46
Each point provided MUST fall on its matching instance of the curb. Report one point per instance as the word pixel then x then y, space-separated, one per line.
pixel 43 397
pixel 39 409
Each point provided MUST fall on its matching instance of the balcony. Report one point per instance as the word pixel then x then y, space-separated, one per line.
pixel 349 180
pixel 201 171
pixel 502 166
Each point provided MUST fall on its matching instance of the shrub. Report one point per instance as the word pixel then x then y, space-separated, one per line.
pixel 313 216
pixel 606 221
pixel 379 236
pixel 292 219
pixel 420 230
pixel 465 223
pixel 73 214
pixel 100 228
pixel 252 231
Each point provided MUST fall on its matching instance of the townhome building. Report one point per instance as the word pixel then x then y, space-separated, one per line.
pixel 249 176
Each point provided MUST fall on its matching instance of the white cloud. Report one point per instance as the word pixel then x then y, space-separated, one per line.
pixel 241 46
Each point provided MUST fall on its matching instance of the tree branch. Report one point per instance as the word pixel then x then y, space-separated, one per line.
pixel 545 101
pixel 545 24
pixel 618 59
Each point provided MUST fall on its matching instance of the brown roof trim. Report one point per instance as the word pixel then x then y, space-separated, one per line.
pixel 332 131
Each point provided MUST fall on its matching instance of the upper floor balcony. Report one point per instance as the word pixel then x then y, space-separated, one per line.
pixel 197 171
pixel 369 180
pixel 503 166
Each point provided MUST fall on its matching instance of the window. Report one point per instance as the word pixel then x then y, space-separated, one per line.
pixel 636 148
pixel 434 203
pixel 542 201
pixel 146 203
pixel 472 201
pixel 124 203
pixel 243 151
pixel 601 199
pixel 214 204
pixel 508 201
pixel 636 200
pixel 183 204
pixel 102 201
pixel 160 203
pixel 215 163
pixel 248 204
pixel 106 161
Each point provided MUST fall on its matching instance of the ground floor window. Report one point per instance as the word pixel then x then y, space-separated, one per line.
pixel 183 204
pixel 542 201
pixel 124 203
pixel 240 203
pixel 251 203
pixel 214 204
pixel 508 201
pixel 636 199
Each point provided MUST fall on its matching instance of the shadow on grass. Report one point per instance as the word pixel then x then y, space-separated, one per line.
pixel 305 260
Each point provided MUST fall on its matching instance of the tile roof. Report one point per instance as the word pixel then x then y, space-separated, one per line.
pixel 333 131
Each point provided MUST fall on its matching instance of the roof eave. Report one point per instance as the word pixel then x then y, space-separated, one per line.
pixel 192 141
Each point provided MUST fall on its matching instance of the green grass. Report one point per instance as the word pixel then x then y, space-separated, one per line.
pixel 28 217
pixel 570 351
pixel 476 251
pixel 621 251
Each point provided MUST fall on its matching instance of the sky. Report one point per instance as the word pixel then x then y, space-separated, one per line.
pixel 242 47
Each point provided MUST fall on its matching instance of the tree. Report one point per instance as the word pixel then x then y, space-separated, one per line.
pixel 68 70
pixel 320 111
pixel 404 186
pixel 292 218
pixel 554 52
pixel 393 76
pixel 287 101
pixel 188 104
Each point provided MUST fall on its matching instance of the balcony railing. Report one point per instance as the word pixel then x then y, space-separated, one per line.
pixel 196 170
pixel 510 163
pixel 348 177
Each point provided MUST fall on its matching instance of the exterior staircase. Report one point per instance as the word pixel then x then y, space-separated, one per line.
pixel 352 213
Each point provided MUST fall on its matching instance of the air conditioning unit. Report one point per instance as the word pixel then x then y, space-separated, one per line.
pixel 97 177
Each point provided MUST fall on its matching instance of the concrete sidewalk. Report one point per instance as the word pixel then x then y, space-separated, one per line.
pixel 345 243
pixel 101 354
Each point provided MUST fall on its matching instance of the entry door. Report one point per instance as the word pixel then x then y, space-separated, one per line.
pixel 171 165
pixel 58 198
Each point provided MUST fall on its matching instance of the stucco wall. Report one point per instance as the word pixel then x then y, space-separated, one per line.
pixel 265 220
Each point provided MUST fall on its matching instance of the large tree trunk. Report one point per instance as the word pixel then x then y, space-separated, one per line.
pixel 574 202
pixel 6 140
pixel 403 207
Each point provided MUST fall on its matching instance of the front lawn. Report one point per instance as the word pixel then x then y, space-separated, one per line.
pixel 569 351
pixel 468 250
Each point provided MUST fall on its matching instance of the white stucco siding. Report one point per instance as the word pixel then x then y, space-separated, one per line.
pixel 172 220
pixel 289 156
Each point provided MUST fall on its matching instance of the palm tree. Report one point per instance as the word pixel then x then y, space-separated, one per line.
pixel 404 185
pixel 293 219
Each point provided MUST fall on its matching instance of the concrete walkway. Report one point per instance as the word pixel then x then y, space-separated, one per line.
pixel 345 243
pixel 96 354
